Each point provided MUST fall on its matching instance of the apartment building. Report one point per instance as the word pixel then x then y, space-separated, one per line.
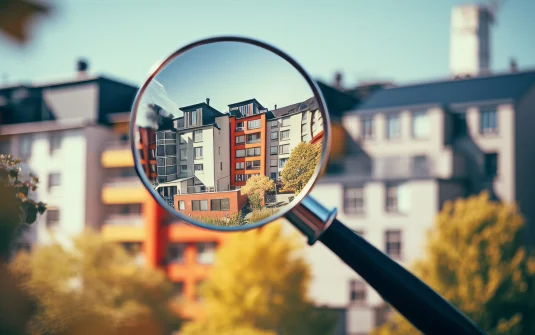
pixel 58 129
pixel 248 127
pixel 408 150
pixel 147 152
pixel 289 126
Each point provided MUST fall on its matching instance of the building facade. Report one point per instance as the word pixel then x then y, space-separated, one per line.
pixel 411 149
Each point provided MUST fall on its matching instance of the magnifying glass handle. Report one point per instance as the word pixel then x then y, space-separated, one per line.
pixel 417 302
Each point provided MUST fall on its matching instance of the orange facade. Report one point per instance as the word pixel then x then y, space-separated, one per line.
pixel 248 154
pixel 147 151
pixel 218 204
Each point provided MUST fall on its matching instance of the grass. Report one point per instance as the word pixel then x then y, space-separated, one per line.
pixel 260 214
pixel 234 221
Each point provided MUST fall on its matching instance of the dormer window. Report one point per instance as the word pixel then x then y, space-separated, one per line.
pixel 194 118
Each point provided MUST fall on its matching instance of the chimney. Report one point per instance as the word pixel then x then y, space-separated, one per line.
pixel 513 66
pixel 208 101
pixel 338 80
pixel 275 107
pixel 82 66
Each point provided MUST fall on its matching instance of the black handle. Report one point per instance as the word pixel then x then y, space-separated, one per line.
pixel 416 301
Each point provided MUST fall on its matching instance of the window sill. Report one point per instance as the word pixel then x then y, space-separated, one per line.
pixel 491 134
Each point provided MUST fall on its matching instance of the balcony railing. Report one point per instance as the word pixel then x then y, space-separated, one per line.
pixel 123 181
pixel 402 167
pixel 124 219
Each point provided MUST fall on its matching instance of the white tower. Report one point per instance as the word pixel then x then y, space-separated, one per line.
pixel 470 40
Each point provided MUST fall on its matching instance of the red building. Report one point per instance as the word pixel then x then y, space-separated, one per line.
pixel 147 151
pixel 248 142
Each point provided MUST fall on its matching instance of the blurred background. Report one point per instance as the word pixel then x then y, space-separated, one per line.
pixel 432 101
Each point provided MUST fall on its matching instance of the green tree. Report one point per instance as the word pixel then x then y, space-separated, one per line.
pixel 93 286
pixel 17 209
pixel 475 259
pixel 255 188
pixel 259 283
pixel 300 167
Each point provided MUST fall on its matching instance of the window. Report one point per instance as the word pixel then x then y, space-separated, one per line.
pixel 284 149
pixel 491 164
pixel 420 166
pixel 183 154
pixel 354 200
pixel 285 135
pixel 54 180
pixel 170 169
pixel 199 205
pixel 285 122
pixel 175 252
pixel 357 292
pixel 198 153
pixel 220 204
pixel 239 126
pixel 392 198
pixel 273 162
pixel 420 125
pixel 273 150
pixel 26 142
pixel 198 168
pixel 240 165
pixel 253 138
pixel 304 129
pixel 282 162
pixel 273 175
pixel 274 135
pixel 52 218
pixel 183 140
pixel 197 136
pixel 206 252
pixel 55 142
pixel 181 205
pixel 193 118
pixel 160 151
pixel 152 154
pixel 393 130
pixel 240 177
pixel 253 165
pixel 180 123
pixel 274 124
pixel 240 139
pixel 252 152
pixel 183 168
pixel 170 150
pixel 240 153
pixel 393 243
pixel 254 124
pixel 221 166
pixel 367 128
pixel 488 122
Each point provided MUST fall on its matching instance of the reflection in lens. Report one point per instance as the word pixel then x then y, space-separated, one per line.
pixel 228 160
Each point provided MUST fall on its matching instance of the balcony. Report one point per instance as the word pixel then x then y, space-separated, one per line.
pixel 125 190
pixel 403 167
pixel 124 219
pixel 117 154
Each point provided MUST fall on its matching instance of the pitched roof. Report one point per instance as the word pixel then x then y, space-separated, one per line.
pixel 510 86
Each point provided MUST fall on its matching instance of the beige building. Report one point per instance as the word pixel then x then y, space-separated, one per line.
pixel 408 150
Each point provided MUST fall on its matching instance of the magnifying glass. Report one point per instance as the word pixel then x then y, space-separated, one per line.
pixel 230 133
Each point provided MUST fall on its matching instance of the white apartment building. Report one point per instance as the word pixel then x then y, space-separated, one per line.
pixel 409 150
pixel 59 129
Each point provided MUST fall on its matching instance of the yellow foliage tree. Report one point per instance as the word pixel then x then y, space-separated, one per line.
pixel 258 184
pixel 259 286
pixel 94 287
pixel 300 167
pixel 476 260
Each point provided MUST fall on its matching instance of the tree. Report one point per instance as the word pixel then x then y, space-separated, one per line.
pixel 475 259
pixel 94 287
pixel 256 187
pixel 16 204
pixel 300 167
pixel 259 283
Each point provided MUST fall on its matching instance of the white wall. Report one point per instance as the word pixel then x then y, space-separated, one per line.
pixel 207 176
pixel 222 153
pixel 331 276
pixel 70 196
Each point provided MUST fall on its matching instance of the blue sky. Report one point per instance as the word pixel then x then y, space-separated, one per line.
pixel 405 41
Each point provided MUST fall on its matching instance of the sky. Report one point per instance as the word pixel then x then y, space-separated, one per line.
pixel 402 41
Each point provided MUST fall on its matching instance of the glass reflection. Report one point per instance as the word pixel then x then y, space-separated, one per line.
pixel 228 160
